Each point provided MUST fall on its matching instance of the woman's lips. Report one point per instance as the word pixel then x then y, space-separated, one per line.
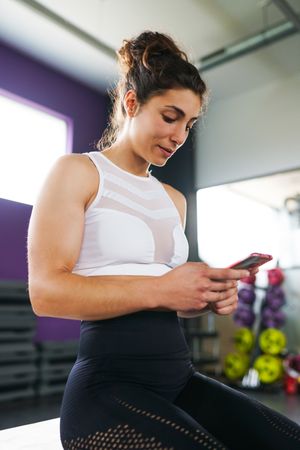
pixel 165 152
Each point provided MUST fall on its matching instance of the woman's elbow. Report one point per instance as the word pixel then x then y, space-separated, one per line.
pixel 37 297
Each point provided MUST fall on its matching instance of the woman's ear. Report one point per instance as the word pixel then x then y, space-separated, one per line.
pixel 131 104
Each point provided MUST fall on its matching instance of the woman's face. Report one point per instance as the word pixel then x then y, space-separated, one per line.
pixel 163 123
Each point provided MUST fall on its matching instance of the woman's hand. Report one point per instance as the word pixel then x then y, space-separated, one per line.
pixel 229 305
pixel 195 286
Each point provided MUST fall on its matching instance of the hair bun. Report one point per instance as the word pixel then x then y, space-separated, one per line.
pixel 146 48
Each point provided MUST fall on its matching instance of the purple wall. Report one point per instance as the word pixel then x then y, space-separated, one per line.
pixel 87 108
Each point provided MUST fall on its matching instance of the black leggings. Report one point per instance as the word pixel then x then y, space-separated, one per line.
pixel 157 401
pixel 206 415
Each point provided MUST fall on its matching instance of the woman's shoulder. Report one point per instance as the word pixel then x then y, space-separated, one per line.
pixel 75 160
pixel 179 200
pixel 82 170
pixel 174 193
pixel 79 162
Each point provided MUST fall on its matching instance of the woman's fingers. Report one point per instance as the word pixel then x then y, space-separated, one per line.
pixel 232 298
pixel 231 294
pixel 224 311
pixel 225 307
pixel 253 271
pixel 219 296
pixel 225 274
pixel 222 292
pixel 222 285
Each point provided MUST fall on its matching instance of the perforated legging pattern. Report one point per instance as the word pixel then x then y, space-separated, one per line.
pixel 199 436
pixel 121 437
pixel 147 422
pixel 290 430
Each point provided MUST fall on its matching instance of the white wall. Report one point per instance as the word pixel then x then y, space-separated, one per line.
pixel 252 134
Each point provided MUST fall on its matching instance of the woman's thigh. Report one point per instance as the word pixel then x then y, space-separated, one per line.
pixel 128 416
pixel 240 422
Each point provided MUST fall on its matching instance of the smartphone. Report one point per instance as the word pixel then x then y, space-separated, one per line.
pixel 252 261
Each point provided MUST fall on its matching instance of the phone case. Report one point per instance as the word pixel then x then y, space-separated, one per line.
pixel 253 260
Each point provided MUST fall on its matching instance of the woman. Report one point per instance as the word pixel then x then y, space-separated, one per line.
pixel 107 246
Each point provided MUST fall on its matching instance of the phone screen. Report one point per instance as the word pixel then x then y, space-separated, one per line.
pixel 251 261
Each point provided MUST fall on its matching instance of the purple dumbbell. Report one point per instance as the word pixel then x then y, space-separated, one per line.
pixel 279 318
pixel 267 318
pixel 246 296
pixel 275 303
pixel 276 291
pixel 244 316
pixel 275 298
pixel 272 319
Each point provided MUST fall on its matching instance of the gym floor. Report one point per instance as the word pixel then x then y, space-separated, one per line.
pixel 23 412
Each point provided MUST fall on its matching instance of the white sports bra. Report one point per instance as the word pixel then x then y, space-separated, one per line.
pixel 132 227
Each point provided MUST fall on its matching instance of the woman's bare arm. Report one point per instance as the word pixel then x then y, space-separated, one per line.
pixel 54 240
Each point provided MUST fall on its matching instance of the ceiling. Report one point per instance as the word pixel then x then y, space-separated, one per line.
pixel 200 27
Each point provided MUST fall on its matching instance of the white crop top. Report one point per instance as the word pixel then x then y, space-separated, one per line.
pixel 132 227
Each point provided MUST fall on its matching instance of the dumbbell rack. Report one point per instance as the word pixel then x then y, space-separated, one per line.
pixel 250 381
pixel 18 372
pixel 55 360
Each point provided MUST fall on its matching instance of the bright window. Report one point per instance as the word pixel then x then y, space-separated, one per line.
pixel 230 226
pixel 31 139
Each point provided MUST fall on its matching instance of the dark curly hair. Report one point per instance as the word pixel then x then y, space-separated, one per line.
pixel 150 64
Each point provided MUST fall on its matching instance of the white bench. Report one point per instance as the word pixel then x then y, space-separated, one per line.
pixel 36 436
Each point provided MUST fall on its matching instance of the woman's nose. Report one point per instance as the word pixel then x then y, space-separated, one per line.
pixel 179 136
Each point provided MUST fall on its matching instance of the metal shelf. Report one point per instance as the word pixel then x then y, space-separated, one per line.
pixel 200 332
pixel 203 334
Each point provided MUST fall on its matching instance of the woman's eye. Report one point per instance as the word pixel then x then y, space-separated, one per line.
pixel 168 119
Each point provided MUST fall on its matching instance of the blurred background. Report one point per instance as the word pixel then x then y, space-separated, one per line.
pixel 239 170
